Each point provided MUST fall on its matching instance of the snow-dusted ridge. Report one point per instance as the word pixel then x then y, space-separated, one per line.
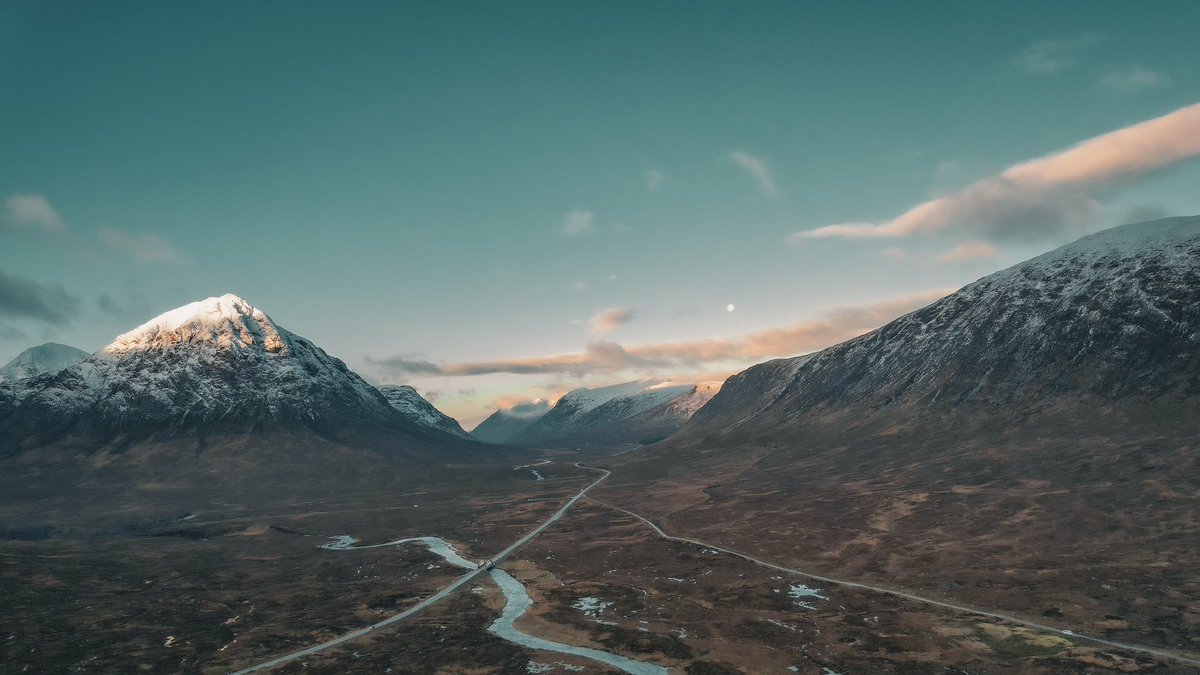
pixel 408 402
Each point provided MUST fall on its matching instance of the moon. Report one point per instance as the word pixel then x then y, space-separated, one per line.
pixel 729 307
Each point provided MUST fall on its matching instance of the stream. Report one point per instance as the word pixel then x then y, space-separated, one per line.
pixel 517 603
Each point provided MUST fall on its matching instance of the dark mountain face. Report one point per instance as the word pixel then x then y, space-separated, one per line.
pixel 206 366
pixel 1111 316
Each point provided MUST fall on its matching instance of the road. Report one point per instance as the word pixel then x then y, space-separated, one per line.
pixel 1067 634
pixel 436 597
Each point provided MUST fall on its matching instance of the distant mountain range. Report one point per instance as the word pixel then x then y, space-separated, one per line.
pixel 644 411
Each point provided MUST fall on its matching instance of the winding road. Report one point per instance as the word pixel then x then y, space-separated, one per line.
pixel 436 597
pixel 1067 634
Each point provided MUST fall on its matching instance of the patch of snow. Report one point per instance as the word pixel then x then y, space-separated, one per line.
pixel 592 607
pixel 801 591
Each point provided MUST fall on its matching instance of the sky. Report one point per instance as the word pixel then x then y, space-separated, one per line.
pixel 499 202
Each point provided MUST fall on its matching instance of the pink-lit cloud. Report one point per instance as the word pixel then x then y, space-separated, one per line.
pixel 609 320
pixel 1043 195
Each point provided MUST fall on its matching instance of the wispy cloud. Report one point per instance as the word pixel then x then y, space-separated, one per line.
pixel 1130 80
pixel 577 222
pixel 33 211
pixel 1054 55
pixel 968 251
pixel 759 170
pixel 610 357
pixel 22 298
pixel 145 248
pixel 654 179
pixel 609 320
pixel 1044 195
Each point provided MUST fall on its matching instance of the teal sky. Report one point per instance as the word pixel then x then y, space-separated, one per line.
pixel 471 182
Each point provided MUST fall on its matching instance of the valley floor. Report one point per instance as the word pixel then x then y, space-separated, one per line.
pixel 223 591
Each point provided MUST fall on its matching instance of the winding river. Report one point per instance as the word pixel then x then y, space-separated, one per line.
pixel 517 602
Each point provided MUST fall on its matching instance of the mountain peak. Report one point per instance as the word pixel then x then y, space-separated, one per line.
pixel 227 321
pixel 42 359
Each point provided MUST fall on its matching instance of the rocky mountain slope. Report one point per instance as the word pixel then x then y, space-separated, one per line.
pixel 414 407
pixel 213 364
pixel 632 412
pixel 43 359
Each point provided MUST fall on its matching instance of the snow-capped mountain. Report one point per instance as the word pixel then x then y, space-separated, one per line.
pixel 1112 315
pixel 214 362
pixel 506 426
pixel 632 412
pixel 41 360
pixel 414 407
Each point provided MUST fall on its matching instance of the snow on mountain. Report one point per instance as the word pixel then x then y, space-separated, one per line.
pixel 1110 316
pixel 41 360
pixel 414 407
pixel 630 412
pixel 214 361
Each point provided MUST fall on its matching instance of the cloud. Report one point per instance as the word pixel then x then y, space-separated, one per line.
pixel 610 319
pixel 654 179
pixel 971 250
pixel 1042 196
pixel 34 210
pixel 22 298
pixel 759 170
pixel 578 222
pixel 597 357
pixel 1130 80
pixel 1050 56
pixel 148 249
pixel 894 253
pixel 602 357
